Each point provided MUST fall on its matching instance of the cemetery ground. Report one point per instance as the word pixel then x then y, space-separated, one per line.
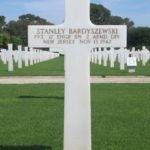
pixel 55 67
pixel 32 116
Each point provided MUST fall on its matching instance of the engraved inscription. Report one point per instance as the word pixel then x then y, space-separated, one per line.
pixel 77 35
pixel 58 36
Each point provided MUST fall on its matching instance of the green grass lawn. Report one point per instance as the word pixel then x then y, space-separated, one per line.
pixel 31 117
pixel 55 67
pixel 98 70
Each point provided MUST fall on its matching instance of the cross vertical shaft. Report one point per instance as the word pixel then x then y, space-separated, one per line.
pixel 77 121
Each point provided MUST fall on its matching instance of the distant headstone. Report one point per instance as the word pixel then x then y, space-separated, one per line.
pixel 122 59
pixel 105 57
pixel 95 56
pixel 31 56
pixel 26 57
pixel 99 56
pixel 145 55
pixel 20 57
pixel 4 55
pixel 131 63
pixel 10 58
pixel 112 58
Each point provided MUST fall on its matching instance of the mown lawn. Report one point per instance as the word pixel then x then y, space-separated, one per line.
pixel 98 70
pixel 31 117
pixel 55 67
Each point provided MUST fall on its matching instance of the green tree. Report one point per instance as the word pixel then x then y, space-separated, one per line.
pixel 116 20
pixel 33 20
pixel 99 14
pixel 19 28
pixel 128 22
pixel 139 37
pixel 4 40
pixel 2 23
pixel 16 41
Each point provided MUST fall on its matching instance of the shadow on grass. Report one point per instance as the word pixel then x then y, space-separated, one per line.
pixel 41 97
pixel 25 148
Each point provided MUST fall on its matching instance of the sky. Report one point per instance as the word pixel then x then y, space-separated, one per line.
pixel 53 10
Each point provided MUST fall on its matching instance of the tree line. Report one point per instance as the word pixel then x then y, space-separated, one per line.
pixel 16 31
pixel 136 36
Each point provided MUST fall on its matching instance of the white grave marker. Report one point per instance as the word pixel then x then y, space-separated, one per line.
pixel 10 58
pixel 95 56
pixel 19 56
pixel 77 36
pixel 99 56
pixel 26 57
pixel 131 63
pixel 105 57
pixel 112 58
pixel 31 56
pixel 122 59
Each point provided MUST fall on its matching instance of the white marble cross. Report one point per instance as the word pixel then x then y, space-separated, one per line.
pixel 77 36
pixel 112 58
pixel 20 57
pixel 10 57
pixel 122 59
pixel 26 57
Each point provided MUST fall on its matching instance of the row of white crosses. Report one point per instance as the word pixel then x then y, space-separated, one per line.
pixel 101 56
pixel 26 57
pixel 141 55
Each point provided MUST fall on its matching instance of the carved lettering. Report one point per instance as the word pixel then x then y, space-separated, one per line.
pixel 84 36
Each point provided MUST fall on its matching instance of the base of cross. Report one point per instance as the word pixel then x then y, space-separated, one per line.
pixel 77 123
